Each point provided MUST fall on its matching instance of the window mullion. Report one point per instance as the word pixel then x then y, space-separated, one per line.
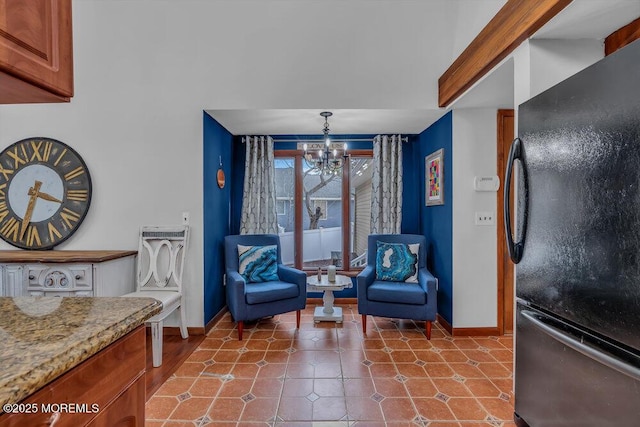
pixel 346 215
pixel 298 226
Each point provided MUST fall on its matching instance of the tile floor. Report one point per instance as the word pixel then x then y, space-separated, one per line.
pixel 328 374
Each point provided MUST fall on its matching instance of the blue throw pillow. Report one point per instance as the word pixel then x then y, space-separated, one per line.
pixel 258 263
pixel 397 262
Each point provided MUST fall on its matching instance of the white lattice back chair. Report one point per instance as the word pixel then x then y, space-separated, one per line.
pixel 160 264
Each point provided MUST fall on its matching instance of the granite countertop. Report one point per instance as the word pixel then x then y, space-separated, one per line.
pixel 43 337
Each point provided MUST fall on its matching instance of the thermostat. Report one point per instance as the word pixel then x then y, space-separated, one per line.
pixel 486 183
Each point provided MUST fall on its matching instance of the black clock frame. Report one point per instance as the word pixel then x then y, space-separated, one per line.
pixel 65 201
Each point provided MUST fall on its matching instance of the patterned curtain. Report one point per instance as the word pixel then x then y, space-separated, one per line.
pixel 259 195
pixel 386 185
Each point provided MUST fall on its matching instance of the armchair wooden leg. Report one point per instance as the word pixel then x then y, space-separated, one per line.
pixel 298 319
pixel 428 327
pixel 364 323
pixel 240 329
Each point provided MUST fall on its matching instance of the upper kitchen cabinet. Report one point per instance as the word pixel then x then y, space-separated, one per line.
pixel 36 51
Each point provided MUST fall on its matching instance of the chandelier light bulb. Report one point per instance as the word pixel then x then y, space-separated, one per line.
pixel 325 163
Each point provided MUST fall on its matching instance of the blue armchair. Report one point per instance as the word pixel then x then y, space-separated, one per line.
pixel 249 300
pixel 404 300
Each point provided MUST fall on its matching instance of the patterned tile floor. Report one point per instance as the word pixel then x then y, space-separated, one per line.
pixel 326 375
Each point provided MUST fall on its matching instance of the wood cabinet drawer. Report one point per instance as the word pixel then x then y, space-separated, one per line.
pixel 127 410
pixel 99 381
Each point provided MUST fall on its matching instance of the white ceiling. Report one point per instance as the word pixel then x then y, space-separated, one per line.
pixel 309 121
pixel 590 19
pixel 594 19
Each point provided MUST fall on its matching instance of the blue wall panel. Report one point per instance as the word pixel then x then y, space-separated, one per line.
pixel 436 221
pixel 411 187
pixel 217 144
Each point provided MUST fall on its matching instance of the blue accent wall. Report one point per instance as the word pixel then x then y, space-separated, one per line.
pixel 411 186
pixel 436 222
pixel 217 144
pixel 237 183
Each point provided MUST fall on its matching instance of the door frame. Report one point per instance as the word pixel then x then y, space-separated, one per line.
pixel 502 258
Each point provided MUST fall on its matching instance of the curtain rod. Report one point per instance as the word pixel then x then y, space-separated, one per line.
pixel 404 139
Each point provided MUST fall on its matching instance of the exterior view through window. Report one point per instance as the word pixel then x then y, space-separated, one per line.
pixel 324 226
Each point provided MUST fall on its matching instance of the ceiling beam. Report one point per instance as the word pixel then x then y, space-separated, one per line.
pixel 622 37
pixel 515 22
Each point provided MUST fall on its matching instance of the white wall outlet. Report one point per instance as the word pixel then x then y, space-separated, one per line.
pixel 485 218
pixel 185 218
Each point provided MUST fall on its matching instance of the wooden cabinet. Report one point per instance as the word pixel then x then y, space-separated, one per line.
pixel 36 51
pixel 85 273
pixel 106 390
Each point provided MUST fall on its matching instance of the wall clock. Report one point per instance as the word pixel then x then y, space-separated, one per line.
pixel 45 192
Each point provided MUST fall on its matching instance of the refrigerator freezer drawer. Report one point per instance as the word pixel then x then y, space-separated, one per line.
pixel 563 378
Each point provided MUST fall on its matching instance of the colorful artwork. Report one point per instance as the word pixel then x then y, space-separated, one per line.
pixel 434 173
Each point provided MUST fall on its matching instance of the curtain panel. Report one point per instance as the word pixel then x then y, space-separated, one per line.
pixel 386 185
pixel 259 194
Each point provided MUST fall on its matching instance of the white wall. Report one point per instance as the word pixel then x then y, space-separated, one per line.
pixel 555 60
pixel 469 18
pixel 542 63
pixel 145 70
pixel 474 247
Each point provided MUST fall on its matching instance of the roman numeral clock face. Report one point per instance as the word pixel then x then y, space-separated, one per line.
pixel 45 192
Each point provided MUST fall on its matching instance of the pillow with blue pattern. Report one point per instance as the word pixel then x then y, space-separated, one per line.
pixel 258 263
pixel 397 262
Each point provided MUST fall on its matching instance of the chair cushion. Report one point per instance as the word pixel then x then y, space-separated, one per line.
pixel 165 297
pixel 397 262
pixel 402 293
pixel 258 293
pixel 258 263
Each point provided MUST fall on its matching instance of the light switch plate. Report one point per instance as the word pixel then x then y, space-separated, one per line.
pixel 485 218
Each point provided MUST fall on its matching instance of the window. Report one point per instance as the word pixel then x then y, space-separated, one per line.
pixel 322 205
pixel 329 216
pixel 281 207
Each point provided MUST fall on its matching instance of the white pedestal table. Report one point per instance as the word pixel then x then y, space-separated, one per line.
pixel 328 312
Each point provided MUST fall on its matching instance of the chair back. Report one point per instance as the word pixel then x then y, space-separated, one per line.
pixel 231 246
pixel 161 255
pixel 408 239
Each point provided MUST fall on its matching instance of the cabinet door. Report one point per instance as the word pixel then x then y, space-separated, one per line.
pixel 126 411
pixel 12 280
pixel 107 378
pixel 36 54
pixel 115 277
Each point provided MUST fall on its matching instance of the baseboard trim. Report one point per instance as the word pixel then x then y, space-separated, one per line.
pixel 193 330
pixel 476 332
pixel 175 330
pixel 468 332
pixel 446 325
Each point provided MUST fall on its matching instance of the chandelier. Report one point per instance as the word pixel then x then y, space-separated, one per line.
pixel 327 157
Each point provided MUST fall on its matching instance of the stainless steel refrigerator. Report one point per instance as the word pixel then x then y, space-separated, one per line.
pixel 577 249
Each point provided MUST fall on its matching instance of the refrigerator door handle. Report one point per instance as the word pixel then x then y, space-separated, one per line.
pixel 516 249
pixel 585 349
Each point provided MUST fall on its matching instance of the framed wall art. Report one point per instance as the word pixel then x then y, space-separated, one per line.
pixel 434 177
